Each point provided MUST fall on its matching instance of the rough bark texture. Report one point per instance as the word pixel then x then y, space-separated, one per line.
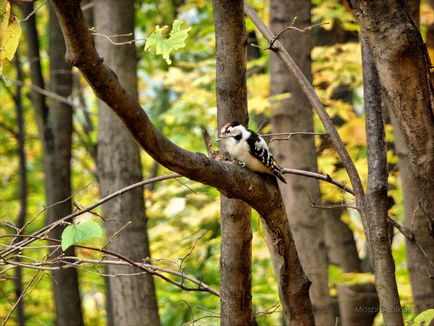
pixel 236 241
pixel 290 115
pixel 376 194
pixel 415 220
pixel 259 191
pixel 55 128
pixel 395 42
pixel 133 298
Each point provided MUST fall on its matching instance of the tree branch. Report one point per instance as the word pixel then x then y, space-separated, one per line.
pixel 232 181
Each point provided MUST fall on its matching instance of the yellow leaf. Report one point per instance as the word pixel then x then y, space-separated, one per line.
pixel 10 33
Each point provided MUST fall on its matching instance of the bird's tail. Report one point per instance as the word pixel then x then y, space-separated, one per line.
pixel 279 176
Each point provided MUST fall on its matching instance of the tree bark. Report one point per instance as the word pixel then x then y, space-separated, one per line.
pixel 376 194
pixel 55 128
pixel 291 115
pixel 395 42
pixel 415 220
pixel 236 238
pixel 133 298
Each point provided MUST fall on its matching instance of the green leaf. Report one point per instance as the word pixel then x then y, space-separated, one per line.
pixel 10 32
pixel 77 233
pixel 425 317
pixel 164 45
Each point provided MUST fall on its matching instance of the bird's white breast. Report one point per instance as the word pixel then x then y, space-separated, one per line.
pixel 241 152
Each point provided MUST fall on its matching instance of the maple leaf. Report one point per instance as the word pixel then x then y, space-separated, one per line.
pixel 165 45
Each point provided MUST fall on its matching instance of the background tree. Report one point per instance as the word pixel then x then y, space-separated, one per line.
pixel 55 129
pixel 133 298
pixel 294 114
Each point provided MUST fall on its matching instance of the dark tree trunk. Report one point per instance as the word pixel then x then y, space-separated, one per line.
pixel 55 128
pixel 133 298
pixel 376 194
pixel 21 219
pixel 415 220
pixel 295 114
pixel 236 239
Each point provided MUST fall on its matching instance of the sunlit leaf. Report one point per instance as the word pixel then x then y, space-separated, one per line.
pixel 76 233
pixel 165 45
pixel 10 32
pixel 425 317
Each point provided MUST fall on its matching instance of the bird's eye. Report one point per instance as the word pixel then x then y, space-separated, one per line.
pixel 227 130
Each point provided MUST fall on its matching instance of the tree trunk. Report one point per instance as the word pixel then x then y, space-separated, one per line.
pixel 295 114
pixel 395 42
pixel 415 220
pixel 236 239
pixel 55 128
pixel 133 298
pixel 377 232
pixel 21 219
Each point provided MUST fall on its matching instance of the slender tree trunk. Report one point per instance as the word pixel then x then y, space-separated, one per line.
pixel 133 298
pixel 236 239
pixel 295 114
pixel 55 128
pixel 415 220
pixel 21 219
pixel 376 194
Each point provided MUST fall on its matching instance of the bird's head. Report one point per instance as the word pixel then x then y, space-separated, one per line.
pixel 231 129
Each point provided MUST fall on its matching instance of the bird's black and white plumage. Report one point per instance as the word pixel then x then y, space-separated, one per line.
pixel 250 149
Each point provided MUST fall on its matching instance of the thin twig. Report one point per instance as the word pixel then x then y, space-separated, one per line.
pixel 44 92
pixel 409 235
pixel 294 28
pixel 319 176
pixel 21 297
pixel 109 38
pixel 115 234
pixel 33 12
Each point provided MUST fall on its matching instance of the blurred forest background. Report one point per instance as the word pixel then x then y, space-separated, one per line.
pixel 41 94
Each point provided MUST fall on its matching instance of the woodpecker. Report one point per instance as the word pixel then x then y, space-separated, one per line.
pixel 250 149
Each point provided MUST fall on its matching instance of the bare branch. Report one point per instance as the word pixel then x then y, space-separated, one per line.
pixel 308 28
pixel 110 38
pixel 63 262
pixel 319 176
pixel 44 92
pixel 33 12
pixel 409 235
pixel 44 230
pixel 25 291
